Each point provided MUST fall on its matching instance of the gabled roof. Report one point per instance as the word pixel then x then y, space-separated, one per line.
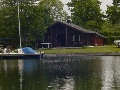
pixel 78 28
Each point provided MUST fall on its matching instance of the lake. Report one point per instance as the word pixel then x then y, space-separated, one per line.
pixel 63 73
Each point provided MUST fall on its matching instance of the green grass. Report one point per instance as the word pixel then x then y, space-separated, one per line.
pixel 111 48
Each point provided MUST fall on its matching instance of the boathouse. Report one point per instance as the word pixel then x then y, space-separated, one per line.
pixel 64 34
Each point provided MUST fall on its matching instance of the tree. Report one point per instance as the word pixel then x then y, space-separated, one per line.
pixel 35 18
pixel 33 25
pixel 113 12
pixel 112 28
pixel 86 13
pixel 55 9
pixel 8 19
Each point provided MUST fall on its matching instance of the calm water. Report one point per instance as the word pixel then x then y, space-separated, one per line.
pixel 65 73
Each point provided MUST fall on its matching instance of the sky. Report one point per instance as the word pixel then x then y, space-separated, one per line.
pixel 103 5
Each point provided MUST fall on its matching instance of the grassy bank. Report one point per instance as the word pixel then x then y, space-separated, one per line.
pixel 112 48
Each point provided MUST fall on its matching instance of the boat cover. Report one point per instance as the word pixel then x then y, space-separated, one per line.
pixel 28 50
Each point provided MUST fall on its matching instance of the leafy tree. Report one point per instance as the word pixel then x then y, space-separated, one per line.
pixel 86 13
pixel 8 19
pixel 113 12
pixel 34 22
pixel 111 28
pixel 111 31
pixel 55 9
pixel 34 18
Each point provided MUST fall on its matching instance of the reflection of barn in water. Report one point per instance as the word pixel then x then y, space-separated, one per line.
pixel 63 34
pixel 59 68
pixel 59 73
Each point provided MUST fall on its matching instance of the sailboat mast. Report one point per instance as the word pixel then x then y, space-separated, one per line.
pixel 19 24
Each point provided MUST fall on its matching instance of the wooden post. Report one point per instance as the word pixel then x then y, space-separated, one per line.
pixel 51 37
pixel 82 40
pixel 66 38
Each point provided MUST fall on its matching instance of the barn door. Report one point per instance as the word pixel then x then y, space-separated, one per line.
pixel 61 41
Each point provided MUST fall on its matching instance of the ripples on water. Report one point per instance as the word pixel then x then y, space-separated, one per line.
pixel 61 73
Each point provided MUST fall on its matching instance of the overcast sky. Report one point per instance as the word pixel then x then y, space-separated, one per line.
pixel 103 5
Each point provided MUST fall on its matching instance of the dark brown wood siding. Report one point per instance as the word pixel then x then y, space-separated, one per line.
pixel 61 35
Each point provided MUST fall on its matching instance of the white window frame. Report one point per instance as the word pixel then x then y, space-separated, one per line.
pixel 73 37
pixel 79 38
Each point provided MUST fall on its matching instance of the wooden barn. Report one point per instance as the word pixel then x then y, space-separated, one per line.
pixel 64 34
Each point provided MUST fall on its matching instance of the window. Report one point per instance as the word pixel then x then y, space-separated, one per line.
pixel 73 37
pixel 79 37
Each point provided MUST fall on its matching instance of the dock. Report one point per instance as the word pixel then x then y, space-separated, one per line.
pixel 20 56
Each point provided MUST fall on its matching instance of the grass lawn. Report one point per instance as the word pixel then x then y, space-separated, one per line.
pixel 111 48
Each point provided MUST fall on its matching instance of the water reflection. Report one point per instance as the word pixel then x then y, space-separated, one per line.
pixel 110 73
pixel 20 67
pixel 9 75
pixel 63 73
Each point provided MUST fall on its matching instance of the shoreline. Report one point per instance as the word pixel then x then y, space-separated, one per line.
pixel 83 54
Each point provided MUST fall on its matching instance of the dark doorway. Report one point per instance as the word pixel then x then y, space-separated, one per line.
pixel 61 40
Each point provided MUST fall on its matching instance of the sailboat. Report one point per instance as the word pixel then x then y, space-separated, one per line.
pixel 23 53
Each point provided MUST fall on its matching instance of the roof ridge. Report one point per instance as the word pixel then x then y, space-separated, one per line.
pixel 77 27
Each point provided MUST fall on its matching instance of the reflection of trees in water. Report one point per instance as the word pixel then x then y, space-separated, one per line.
pixel 87 74
pixel 69 66
pixel 59 74
pixel 62 84
pixel 82 71
pixel 60 69
pixel 33 75
pixel 110 73
pixel 28 76
pixel 9 75
pixel 65 73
